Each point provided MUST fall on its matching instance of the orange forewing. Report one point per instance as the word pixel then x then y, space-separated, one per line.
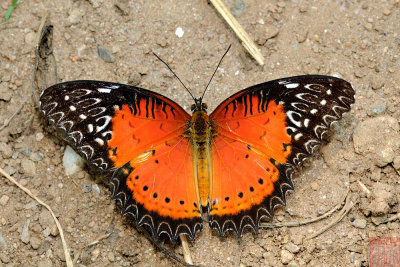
pixel 263 131
pixel 134 134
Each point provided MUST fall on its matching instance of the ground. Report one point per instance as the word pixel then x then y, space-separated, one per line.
pixel 356 40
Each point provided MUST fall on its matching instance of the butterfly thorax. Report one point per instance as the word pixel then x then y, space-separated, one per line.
pixel 200 130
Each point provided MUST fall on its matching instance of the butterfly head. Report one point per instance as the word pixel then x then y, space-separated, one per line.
pixel 198 105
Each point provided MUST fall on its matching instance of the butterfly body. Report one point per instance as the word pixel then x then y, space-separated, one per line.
pixel 201 137
pixel 166 165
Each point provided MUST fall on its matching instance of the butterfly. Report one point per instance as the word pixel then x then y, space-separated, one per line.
pixel 169 167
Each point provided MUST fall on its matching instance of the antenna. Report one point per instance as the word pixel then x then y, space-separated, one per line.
pixel 174 75
pixel 226 52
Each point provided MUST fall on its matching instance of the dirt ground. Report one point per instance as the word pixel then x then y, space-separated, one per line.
pixel 356 40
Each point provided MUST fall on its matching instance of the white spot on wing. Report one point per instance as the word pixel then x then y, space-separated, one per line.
pixel 329 92
pixel 82 116
pixel 292 85
pixel 104 90
pixel 72 108
pixel 297 136
pixel 306 122
pixel 323 102
pixel 99 141
pixel 313 111
pixel 66 97
pixel 90 128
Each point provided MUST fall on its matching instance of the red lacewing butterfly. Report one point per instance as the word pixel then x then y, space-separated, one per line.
pixel 168 166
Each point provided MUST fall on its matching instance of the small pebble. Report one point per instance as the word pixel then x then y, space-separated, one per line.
pixel 238 8
pixel 4 199
pixel 72 161
pixel 25 234
pixel 3 242
pixel 6 150
pixel 28 166
pixel 96 188
pixel 111 257
pixel 359 223
pixel 134 79
pixel 386 12
pixel 292 247
pixel 95 254
pixel 31 205
pixel 46 232
pixel 39 137
pixel 314 186
pixel 222 39
pixel 86 189
pixel 35 242
pixel 30 39
pixel 75 16
pixel 286 256
pixel 105 55
pixel 179 32
pixel 4 258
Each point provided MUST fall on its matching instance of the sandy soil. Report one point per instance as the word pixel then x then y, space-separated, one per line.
pixel 357 40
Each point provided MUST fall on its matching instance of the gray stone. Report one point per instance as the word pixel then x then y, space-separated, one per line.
pixel 30 39
pixel 105 55
pixel 72 161
pixel 10 170
pixel 45 219
pixel 359 223
pixel 75 16
pixel 238 8
pixel 134 79
pixel 292 247
pixel 5 93
pixel 35 242
pixel 6 150
pixel 4 258
pixel 3 242
pixel 86 189
pixel 96 188
pixel 4 200
pixel 286 256
pixel 28 167
pixel 25 232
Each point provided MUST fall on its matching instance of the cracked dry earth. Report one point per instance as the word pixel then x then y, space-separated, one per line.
pixel 356 40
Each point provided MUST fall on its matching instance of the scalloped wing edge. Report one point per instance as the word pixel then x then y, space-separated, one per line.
pixel 237 223
pixel 157 224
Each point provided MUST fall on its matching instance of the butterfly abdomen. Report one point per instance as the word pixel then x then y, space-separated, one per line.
pixel 201 135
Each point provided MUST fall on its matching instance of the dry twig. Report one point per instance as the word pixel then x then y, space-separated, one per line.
pixel 316 219
pixel 393 218
pixel 247 42
pixel 343 212
pixel 7 121
pixel 186 251
pixel 26 190
pixel 364 188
